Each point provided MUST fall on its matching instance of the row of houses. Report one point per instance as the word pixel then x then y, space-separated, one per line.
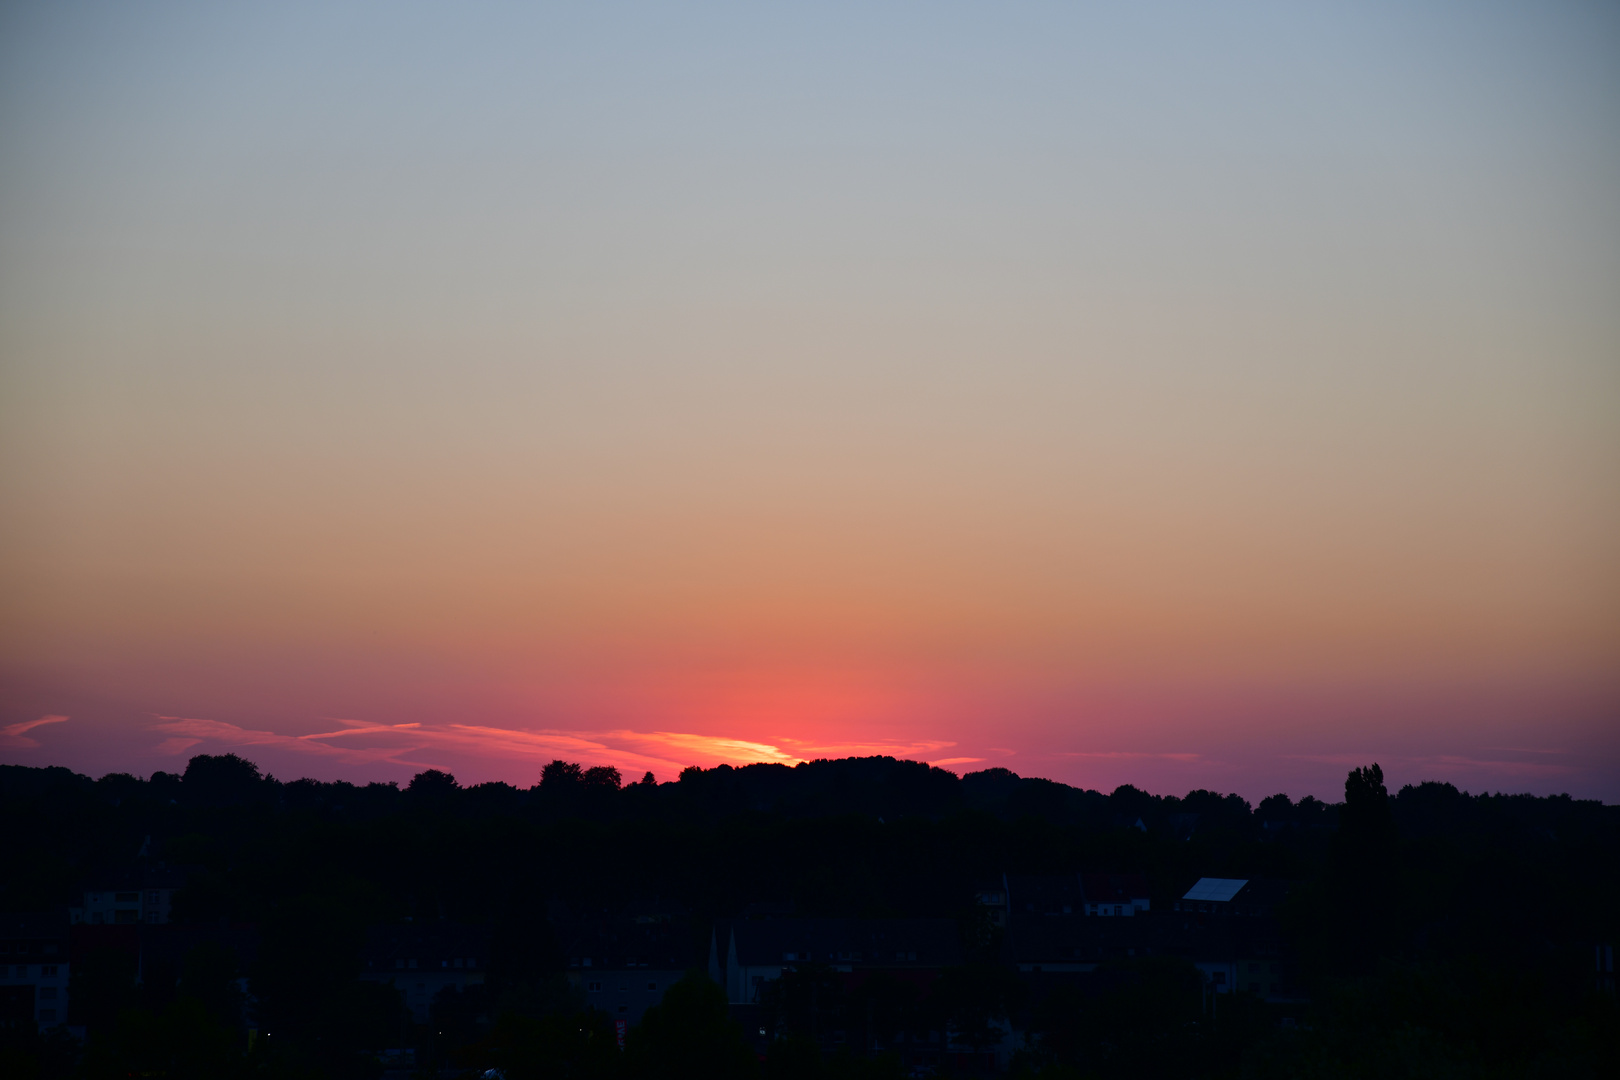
pixel 1098 895
pixel 34 966
pixel 1055 926
pixel 1074 931
pixel 139 897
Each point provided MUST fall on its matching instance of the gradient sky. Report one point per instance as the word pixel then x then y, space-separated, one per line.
pixel 1179 394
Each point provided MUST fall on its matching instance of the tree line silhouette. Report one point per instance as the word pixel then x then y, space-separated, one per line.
pixel 1437 933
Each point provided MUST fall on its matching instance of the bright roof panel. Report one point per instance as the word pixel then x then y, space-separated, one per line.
pixel 1217 889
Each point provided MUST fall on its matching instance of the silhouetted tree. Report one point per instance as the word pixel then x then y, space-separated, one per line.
pixel 602 777
pixel 974 1000
pixel 690 1036
pixel 560 774
pixel 1367 823
pixel 101 984
pixel 432 786
pixel 558 1046
pixel 183 1042
pixel 219 780
pixel 807 1002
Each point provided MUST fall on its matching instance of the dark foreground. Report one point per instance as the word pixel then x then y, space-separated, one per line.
pixel 857 918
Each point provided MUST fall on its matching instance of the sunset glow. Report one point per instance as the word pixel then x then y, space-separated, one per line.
pixel 1215 401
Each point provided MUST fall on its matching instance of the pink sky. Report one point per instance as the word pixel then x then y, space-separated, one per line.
pixel 1217 395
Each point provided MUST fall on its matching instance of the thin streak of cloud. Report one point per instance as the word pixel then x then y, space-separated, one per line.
pixel 736 750
pixel 661 752
pixel 942 762
pixel 234 735
pixel 915 751
pixel 14 734
pixel 175 746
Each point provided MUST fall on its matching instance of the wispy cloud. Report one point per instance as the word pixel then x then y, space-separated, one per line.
pixel 16 734
pixel 175 746
pixel 913 750
pixel 663 753
pixel 943 762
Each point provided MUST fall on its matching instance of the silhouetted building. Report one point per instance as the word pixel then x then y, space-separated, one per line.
pixel 1114 894
pixel 33 969
pixel 624 965
pixel 144 897
pixel 1233 896
pixel 745 955
pixel 1044 894
pixel 1038 944
pixel 421 959
pixel 993 894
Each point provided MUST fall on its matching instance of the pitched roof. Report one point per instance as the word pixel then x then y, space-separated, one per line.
pixel 1216 889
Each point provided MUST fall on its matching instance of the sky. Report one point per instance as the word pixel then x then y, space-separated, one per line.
pixel 1178 394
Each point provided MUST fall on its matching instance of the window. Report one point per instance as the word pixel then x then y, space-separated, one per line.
pixel 1218 978
pixel 458 961
pixel 411 963
pixel 1118 910
pixel 151 898
pixel 652 986
pixel 624 1008
pixel 22 971
pixel 399 963
pixel 595 988
pixel 48 971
